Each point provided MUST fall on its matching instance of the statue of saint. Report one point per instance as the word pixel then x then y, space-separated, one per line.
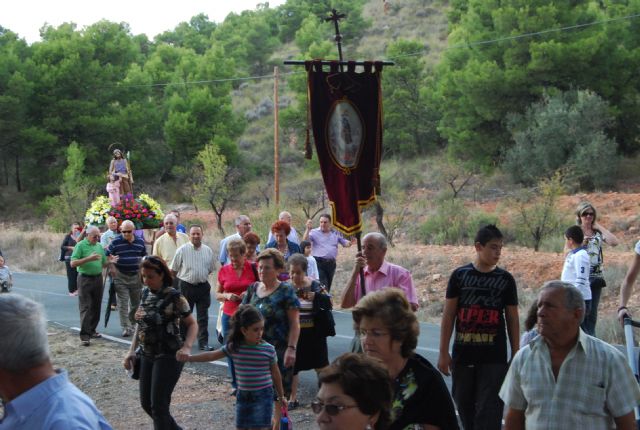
pixel 120 167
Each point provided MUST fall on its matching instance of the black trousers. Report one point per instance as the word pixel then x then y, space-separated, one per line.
pixel 89 301
pixel 199 297
pixel 475 391
pixel 72 277
pixel 326 270
pixel 158 378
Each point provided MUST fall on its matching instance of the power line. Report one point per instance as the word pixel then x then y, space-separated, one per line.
pixel 525 35
pixel 206 81
pixel 410 54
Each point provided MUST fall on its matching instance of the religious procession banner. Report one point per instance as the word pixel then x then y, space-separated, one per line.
pixel 346 114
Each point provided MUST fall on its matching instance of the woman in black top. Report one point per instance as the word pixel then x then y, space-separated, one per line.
pixel 68 243
pixel 162 311
pixel 389 331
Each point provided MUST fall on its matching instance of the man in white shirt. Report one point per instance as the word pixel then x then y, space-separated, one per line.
pixel 192 264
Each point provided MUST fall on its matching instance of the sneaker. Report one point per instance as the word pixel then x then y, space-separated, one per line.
pixel 114 307
pixel 206 348
pixel 85 343
pixel 96 335
pixel 74 294
pixel 126 332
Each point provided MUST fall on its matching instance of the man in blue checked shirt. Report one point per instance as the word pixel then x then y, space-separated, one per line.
pixel 35 395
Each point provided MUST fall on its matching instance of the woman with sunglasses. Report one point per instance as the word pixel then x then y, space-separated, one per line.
pixel 355 394
pixel 161 312
pixel 389 332
pixel 594 236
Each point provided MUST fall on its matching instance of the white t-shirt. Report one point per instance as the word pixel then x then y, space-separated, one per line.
pixel 576 271
pixel 312 268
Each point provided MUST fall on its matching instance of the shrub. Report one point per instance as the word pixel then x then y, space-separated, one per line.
pixel 453 224
pixel 563 129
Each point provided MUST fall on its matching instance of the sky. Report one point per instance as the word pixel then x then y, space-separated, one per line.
pixel 26 17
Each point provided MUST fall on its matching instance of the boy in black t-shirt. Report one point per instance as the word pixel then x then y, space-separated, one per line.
pixel 480 298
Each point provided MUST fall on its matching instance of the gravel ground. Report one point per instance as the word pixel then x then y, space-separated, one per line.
pixel 200 400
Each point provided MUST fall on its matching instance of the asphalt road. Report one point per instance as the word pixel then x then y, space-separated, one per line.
pixel 51 291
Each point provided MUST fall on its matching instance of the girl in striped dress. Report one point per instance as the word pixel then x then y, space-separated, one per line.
pixel 256 367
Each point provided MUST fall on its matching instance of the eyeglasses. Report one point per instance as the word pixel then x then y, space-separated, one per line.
pixel 332 410
pixel 374 334
pixel 126 231
pixel 587 214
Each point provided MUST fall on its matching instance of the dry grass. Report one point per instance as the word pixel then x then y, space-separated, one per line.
pixel 31 250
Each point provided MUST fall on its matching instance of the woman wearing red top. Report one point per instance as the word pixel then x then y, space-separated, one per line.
pixel 233 281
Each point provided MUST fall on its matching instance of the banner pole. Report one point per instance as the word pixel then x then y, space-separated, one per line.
pixel 363 290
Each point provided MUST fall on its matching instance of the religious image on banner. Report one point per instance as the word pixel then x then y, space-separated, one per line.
pixel 346 116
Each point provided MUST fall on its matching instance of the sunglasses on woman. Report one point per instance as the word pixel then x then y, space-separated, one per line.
pixel 332 410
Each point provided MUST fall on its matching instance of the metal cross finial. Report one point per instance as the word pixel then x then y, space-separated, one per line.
pixel 335 17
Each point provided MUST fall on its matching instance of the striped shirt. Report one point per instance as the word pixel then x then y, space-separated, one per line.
pixel 193 265
pixel 129 254
pixel 252 364
pixel 594 385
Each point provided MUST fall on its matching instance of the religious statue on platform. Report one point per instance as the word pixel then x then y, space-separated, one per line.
pixel 120 167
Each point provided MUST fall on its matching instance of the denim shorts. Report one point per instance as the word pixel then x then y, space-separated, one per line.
pixel 254 408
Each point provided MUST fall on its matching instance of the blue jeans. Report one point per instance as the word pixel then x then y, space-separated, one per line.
pixel 588 307
pixel 225 331
pixel 591 317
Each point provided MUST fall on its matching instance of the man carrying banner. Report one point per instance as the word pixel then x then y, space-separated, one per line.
pixel 378 273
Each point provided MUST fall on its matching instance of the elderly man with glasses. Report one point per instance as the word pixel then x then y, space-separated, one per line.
pixel 88 258
pixel 129 250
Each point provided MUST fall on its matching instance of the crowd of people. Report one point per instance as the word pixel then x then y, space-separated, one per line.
pixel 276 314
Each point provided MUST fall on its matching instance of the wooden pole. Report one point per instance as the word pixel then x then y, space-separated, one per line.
pixel 276 156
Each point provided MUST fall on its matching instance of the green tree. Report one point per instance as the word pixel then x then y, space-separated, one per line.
pixel 409 120
pixel 195 34
pixel 75 191
pixel 217 183
pixel 563 129
pixel 480 83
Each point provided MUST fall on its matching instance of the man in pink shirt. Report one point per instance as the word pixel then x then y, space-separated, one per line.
pixel 378 273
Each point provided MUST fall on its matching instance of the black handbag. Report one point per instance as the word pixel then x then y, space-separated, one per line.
pixel 323 321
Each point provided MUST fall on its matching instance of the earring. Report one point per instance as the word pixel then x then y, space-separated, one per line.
pixel 368 427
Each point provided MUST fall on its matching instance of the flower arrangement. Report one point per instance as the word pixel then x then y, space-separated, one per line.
pixel 152 205
pixel 98 211
pixel 144 211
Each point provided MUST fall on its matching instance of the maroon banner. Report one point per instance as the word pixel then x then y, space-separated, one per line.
pixel 346 115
